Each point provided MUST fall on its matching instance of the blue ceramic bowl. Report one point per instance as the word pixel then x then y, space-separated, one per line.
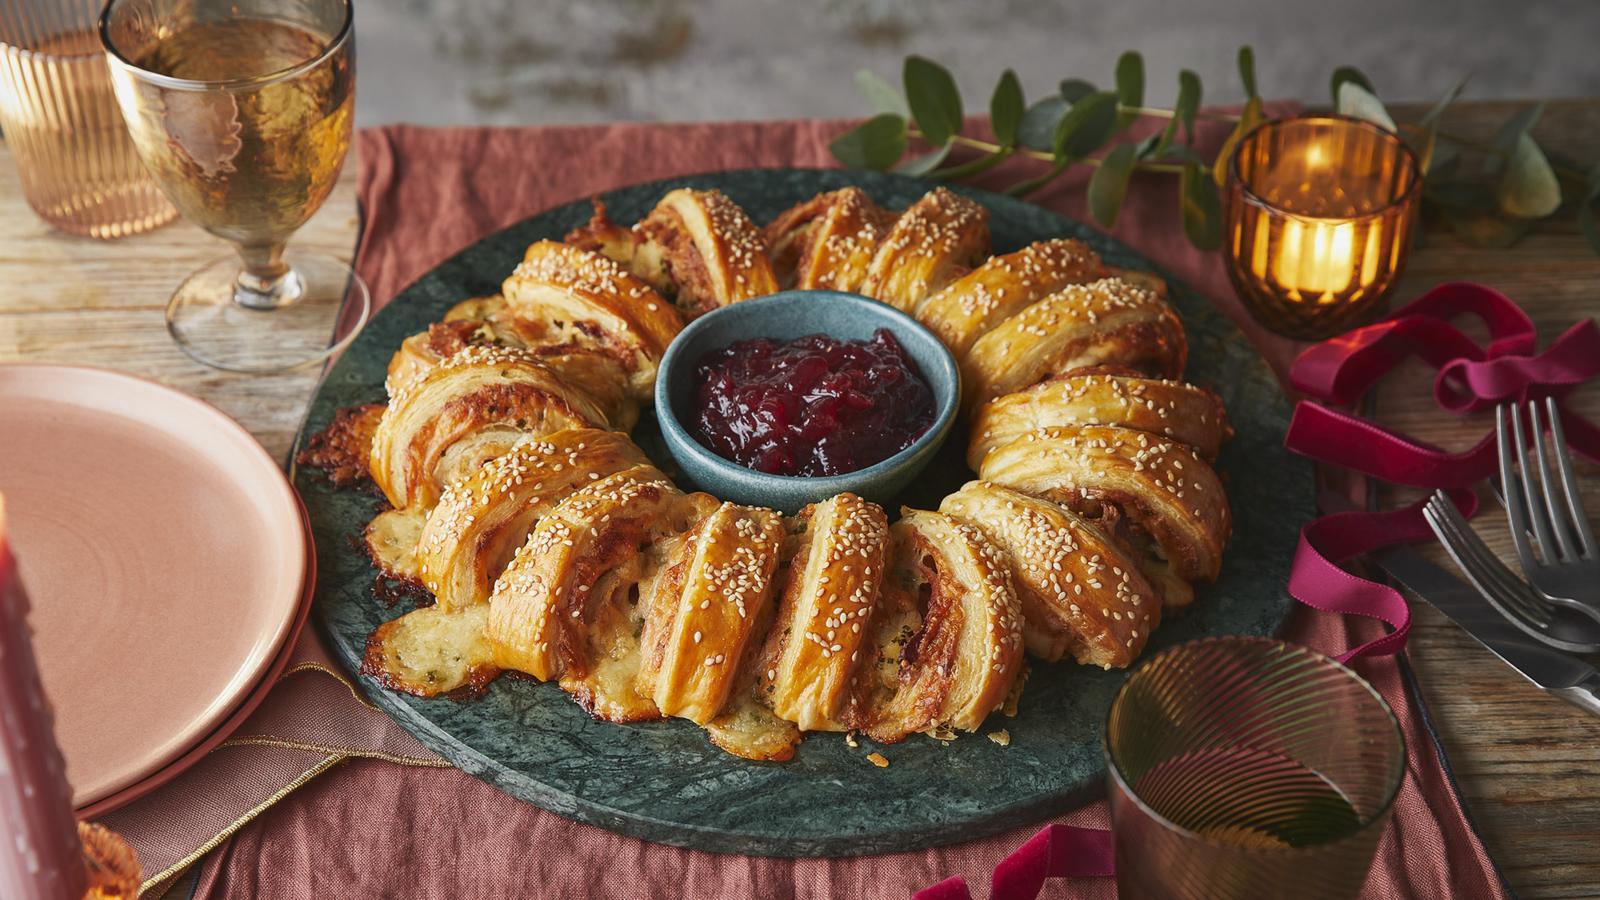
pixel 784 316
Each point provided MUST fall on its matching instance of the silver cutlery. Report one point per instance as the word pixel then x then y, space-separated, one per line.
pixel 1521 605
pixel 1565 676
pixel 1565 565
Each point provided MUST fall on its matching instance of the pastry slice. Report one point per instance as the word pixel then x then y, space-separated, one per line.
pixel 829 241
pixel 430 651
pixel 1129 481
pixel 1111 321
pixel 825 611
pixel 709 250
pixel 474 406
pixel 1170 409
pixel 934 242
pixel 948 631
pixel 1003 286
pixel 1080 593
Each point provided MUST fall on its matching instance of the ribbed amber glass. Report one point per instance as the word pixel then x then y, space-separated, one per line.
pixel 1248 768
pixel 78 167
pixel 1319 216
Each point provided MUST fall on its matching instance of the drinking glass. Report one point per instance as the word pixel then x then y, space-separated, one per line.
pixel 242 110
pixel 1248 768
pixel 77 165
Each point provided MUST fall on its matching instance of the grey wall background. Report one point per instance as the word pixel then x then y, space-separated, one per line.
pixel 541 61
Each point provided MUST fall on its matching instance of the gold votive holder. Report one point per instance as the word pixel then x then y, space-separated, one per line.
pixel 1319 216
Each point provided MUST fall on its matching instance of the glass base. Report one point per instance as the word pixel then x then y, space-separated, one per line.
pixel 213 327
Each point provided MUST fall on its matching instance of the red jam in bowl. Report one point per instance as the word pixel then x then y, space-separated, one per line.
pixel 811 406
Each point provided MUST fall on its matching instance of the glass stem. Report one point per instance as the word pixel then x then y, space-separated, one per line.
pixel 265 281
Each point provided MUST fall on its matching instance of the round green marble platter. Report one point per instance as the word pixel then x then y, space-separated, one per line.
pixel 664 781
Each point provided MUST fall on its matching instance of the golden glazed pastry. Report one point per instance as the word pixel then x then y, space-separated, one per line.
pixel 708 249
pixel 474 406
pixel 825 614
pixel 1111 321
pixel 829 241
pixel 484 518
pixel 948 630
pixel 1080 593
pixel 431 651
pixel 934 242
pixel 1162 488
pixel 1170 409
pixel 572 297
pixel 1003 286
pixel 572 590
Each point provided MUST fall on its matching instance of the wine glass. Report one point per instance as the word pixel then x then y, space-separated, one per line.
pixel 242 109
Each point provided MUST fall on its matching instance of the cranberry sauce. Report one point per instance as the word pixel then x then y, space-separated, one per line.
pixel 811 406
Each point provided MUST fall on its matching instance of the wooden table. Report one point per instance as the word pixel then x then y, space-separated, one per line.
pixel 1529 765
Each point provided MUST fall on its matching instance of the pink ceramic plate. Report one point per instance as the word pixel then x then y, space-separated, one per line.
pixel 235 719
pixel 163 553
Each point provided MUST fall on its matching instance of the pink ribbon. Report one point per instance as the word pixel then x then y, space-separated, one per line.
pixel 1469 377
pixel 1057 851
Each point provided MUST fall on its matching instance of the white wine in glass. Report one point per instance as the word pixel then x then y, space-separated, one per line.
pixel 242 112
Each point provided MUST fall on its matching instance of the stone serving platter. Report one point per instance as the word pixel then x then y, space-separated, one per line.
pixel 664 781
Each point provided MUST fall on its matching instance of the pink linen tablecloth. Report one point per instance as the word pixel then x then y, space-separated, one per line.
pixel 371 828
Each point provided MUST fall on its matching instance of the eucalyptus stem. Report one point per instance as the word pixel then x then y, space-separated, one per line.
pixel 991 147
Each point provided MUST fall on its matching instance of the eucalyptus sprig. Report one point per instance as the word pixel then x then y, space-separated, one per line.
pixel 1515 185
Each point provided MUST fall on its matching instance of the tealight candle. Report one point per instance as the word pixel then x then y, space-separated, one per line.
pixel 1319 216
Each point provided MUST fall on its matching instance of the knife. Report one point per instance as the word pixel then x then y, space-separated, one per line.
pixel 1559 673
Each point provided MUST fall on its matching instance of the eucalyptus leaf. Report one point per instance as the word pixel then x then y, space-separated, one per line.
pixel 1086 127
pixel 1348 75
pixel 1509 135
pixel 874 144
pixel 1426 138
pixel 1038 128
pixel 935 102
pixel 1006 108
pixel 1200 209
pixel 1432 116
pixel 1528 187
pixel 1460 194
pixel 1109 184
pixel 924 163
pixel 1152 144
pixel 1130 86
pixel 1486 229
pixel 1074 89
pixel 1188 105
pixel 1247 70
pixel 973 166
pixel 1248 120
pixel 883 96
pixel 1358 101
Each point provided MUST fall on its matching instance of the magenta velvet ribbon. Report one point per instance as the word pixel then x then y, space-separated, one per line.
pixel 1469 377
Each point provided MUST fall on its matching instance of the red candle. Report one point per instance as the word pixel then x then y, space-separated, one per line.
pixel 41 857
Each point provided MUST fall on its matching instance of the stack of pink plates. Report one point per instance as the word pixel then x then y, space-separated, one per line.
pixel 168 563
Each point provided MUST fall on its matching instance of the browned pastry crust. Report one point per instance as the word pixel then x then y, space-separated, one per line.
pixel 1106 322
pixel 1003 286
pixel 709 249
pixel 825 614
pixel 1171 409
pixel 567 297
pixel 705 609
pixel 934 242
pixel 1162 488
pixel 474 406
pixel 948 631
pixel 431 651
pixel 482 519
pixel 829 241
pixel 568 604
pixel 1080 593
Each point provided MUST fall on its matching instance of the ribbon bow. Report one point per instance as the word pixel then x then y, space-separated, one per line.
pixel 1468 377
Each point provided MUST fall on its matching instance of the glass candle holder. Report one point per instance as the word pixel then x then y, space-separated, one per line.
pixel 1248 768
pixel 1319 217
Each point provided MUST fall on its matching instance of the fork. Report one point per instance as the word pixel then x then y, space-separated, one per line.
pixel 1565 566
pixel 1512 597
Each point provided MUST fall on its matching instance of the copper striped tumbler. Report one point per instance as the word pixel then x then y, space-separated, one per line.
pixel 1248 767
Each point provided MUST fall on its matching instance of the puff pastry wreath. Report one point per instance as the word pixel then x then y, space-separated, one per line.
pixel 553 548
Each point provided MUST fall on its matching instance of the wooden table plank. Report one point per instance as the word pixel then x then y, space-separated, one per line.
pixel 1529 765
